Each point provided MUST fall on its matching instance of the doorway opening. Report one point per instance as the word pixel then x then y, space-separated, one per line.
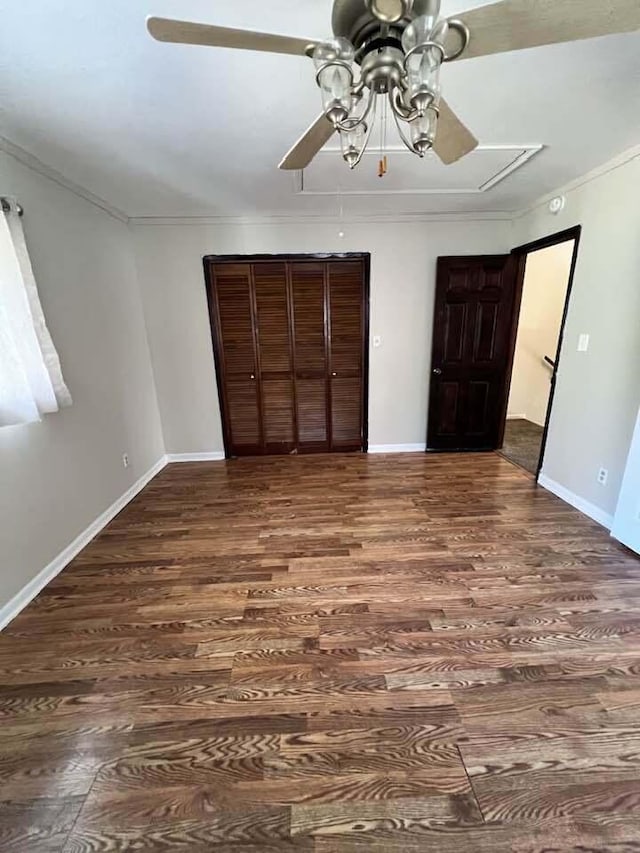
pixel 545 276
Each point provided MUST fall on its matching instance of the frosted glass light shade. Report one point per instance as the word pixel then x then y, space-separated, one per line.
pixel 333 50
pixel 423 132
pixel 423 60
pixel 420 29
pixel 353 141
pixel 423 78
pixel 333 60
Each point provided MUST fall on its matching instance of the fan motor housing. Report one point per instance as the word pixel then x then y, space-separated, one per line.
pixel 353 20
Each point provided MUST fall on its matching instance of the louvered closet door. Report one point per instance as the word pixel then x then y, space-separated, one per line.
pixel 238 358
pixel 289 337
pixel 346 312
pixel 275 357
pixel 310 355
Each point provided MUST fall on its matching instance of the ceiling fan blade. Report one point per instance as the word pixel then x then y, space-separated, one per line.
pixel 453 140
pixel 308 145
pixel 185 32
pixel 519 24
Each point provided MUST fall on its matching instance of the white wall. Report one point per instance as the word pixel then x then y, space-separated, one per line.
pixel 544 295
pixel 598 392
pixel 57 476
pixel 403 265
pixel 626 524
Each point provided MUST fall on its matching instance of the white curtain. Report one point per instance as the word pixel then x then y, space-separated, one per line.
pixel 31 382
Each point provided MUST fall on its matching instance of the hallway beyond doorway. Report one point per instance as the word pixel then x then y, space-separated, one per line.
pixel 546 270
pixel 523 444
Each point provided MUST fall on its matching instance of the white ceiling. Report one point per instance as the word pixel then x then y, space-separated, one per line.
pixel 172 130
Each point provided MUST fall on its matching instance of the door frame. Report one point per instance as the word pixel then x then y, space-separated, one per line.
pixel 209 260
pixel 520 254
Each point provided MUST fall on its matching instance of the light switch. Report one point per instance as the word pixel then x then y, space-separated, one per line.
pixel 377 341
pixel 583 343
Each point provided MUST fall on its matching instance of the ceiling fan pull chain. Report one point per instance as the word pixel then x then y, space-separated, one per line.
pixel 380 163
pixel 383 163
pixel 384 126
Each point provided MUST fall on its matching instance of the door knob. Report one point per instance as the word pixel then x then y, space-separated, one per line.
pixel 253 376
pixel 437 371
pixel 334 374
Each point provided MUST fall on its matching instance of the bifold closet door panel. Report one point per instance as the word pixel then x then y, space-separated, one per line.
pixel 275 356
pixel 308 298
pixel 346 313
pixel 238 356
pixel 244 421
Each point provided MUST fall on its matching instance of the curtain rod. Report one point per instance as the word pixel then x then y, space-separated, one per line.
pixel 7 207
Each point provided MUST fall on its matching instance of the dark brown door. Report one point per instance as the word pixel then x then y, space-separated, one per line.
pixel 290 338
pixel 346 328
pixel 472 343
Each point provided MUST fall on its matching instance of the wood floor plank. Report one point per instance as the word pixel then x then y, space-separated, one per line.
pixel 39 825
pixel 410 815
pixel 329 654
pixel 513 767
pixel 549 835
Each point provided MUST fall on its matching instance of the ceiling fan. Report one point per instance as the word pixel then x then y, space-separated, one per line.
pixel 400 47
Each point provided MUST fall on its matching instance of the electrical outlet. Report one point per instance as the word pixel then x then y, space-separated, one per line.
pixel 603 476
pixel 125 460
pixel 377 341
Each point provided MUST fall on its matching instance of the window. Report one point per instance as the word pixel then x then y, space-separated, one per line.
pixel 31 382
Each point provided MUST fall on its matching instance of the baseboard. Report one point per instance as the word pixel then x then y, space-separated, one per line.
pixel 524 418
pixel 576 501
pixel 214 456
pixel 20 600
pixel 397 448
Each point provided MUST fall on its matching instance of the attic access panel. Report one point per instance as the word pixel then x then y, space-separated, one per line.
pixel 485 167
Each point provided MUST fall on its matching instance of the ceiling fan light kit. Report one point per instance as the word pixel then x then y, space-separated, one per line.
pixel 400 47
pixel 400 58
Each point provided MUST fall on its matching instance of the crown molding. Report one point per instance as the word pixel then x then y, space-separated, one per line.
pixel 371 218
pixel 313 219
pixel 600 171
pixel 31 162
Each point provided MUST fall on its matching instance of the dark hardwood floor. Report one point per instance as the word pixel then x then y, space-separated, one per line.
pixel 332 653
